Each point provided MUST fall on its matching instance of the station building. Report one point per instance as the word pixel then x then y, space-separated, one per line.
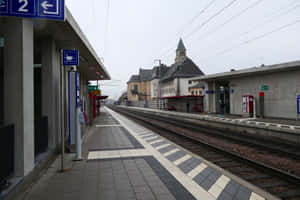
pixel 166 87
pixel 33 89
pixel 279 84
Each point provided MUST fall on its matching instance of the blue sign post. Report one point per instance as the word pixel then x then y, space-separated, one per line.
pixel 70 57
pixel 298 106
pixel 47 9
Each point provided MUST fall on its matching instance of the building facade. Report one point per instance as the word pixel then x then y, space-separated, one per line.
pixel 174 85
pixel 163 87
pixel 280 85
pixel 139 88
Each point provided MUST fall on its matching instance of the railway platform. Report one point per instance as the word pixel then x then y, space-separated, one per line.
pixel 285 130
pixel 124 160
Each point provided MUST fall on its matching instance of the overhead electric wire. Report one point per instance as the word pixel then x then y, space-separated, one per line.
pixel 270 20
pixel 181 30
pixel 256 3
pixel 256 38
pixel 211 18
pixel 206 22
pixel 106 28
pixel 265 22
pixel 191 21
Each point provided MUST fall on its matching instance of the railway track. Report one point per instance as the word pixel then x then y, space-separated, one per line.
pixel 280 183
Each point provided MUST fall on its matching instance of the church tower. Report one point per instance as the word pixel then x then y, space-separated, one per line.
pixel 180 52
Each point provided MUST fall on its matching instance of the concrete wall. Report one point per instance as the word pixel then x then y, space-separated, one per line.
pixel 210 100
pixel 18 89
pixel 169 88
pixel 280 99
pixel 51 90
pixel 183 86
pixel 155 89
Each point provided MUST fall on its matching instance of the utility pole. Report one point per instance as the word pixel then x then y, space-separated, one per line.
pixel 62 125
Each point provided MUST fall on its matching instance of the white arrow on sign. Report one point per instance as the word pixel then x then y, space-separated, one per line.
pixel 69 58
pixel 46 5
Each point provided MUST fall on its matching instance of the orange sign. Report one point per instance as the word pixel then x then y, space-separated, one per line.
pixel 97 92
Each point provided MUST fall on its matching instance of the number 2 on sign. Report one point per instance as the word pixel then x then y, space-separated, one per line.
pixel 23 7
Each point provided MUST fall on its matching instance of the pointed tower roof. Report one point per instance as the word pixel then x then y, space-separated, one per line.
pixel 181 46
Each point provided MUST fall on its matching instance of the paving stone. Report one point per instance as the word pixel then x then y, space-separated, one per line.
pixel 160 190
pixel 145 196
pixel 153 139
pixel 142 189
pixel 207 183
pixel 176 156
pixel 166 149
pixel 189 165
pixel 173 186
pixel 199 178
pixel 243 193
pixel 129 178
pixel 232 187
pixel 165 197
pixel 159 144
pixel 225 196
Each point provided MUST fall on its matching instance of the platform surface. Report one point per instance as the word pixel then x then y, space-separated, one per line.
pixel 127 161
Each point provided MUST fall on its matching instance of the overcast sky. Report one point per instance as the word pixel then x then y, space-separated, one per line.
pixel 219 34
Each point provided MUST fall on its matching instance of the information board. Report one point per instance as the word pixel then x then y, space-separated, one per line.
pixel 298 104
pixel 46 9
pixel 70 57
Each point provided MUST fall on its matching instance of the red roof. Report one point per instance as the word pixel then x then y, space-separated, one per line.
pixel 102 97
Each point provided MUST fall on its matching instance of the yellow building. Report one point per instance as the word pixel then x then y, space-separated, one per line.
pixel 139 88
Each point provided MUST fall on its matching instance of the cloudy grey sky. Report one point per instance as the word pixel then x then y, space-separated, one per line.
pixel 219 34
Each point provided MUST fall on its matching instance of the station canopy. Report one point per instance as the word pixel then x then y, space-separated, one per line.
pixel 68 35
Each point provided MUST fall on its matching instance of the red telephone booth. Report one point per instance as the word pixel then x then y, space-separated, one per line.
pixel 248 104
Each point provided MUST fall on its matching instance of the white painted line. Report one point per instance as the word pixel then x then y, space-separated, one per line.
pixel 219 186
pixel 152 137
pixel 215 190
pixel 181 160
pixel 145 133
pixel 197 191
pixel 143 136
pixel 170 152
pixel 197 170
pixel 222 181
pixel 108 125
pixel 255 196
pixel 156 141
pixel 163 146
pixel 117 154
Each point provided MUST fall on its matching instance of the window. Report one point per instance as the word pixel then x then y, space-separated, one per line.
pixel 192 92
pixel 135 87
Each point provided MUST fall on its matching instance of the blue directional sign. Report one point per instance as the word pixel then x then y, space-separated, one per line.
pixel 70 57
pixel 298 104
pixel 48 9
